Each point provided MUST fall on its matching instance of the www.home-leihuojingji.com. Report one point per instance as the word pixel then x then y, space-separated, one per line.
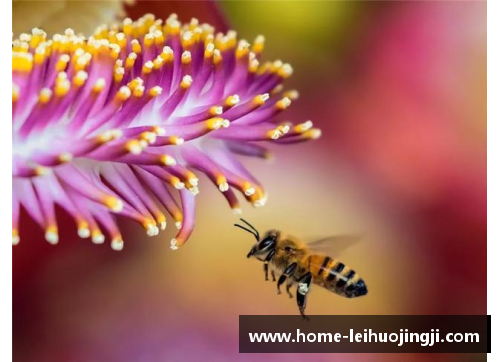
pixel 368 336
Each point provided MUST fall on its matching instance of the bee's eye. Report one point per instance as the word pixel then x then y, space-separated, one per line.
pixel 288 249
pixel 265 243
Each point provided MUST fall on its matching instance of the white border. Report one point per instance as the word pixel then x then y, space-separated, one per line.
pixel 493 180
pixel 6 184
pixel 493 173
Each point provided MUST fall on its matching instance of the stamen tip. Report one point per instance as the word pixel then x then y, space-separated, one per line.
pixel 52 237
pixel 83 233
pixel 117 244
pixel 98 238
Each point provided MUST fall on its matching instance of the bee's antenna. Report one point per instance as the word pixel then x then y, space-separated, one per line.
pixel 251 226
pixel 250 231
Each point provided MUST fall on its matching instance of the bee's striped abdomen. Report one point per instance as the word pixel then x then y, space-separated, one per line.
pixel 336 276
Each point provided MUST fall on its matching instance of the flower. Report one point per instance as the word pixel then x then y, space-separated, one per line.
pixel 103 125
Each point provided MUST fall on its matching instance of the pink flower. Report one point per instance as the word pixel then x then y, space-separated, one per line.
pixel 115 124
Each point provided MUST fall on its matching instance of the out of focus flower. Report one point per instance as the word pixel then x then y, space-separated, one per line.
pixel 55 16
pixel 102 125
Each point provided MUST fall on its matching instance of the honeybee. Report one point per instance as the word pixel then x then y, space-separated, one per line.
pixel 305 263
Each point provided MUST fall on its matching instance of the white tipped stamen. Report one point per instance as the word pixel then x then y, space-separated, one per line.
pixel 249 191
pixel 286 102
pixel 223 187
pixel 187 80
pixel 178 225
pixel 225 123
pixel 15 240
pixel 237 211
pixel 167 50
pixel 306 126
pixel 168 160
pixel 179 185
pixel 287 70
pixel 150 137
pixel 235 99
pixel 52 237
pixel 98 239
pixel 125 92
pixel 187 36
pixel 259 203
pixel 315 133
pixel 65 157
pixel 118 206
pixel 160 131
pixel 83 233
pixel 173 244
pixel 194 190
pixel 117 244
pixel 186 56
pixel 163 225
pixel 151 230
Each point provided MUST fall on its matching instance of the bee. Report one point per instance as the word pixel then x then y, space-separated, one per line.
pixel 303 263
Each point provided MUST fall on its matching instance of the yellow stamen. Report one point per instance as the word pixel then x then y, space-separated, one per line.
pixel 283 104
pixel 99 85
pixel 15 237
pixel 261 99
pixel 186 82
pixel 113 203
pixel 221 182
pixel 215 111
pixel 65 157
pixel 15 92
pixel 155 91
pixel 313 133
pixel 168 160
pixel 134 147
pixel 186 58
pixel 167 54
pixel 233 100
pixel 258 44
pixel 285 71
pixel 243 49
pixel 51 234
pixel 214 123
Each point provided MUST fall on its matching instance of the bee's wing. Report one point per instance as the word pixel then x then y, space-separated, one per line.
pixel 334 245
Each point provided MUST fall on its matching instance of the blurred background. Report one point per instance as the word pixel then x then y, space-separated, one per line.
pixel 399 90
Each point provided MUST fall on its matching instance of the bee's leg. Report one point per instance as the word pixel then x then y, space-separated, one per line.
pixel 273 275
pixel 302 289
pixel 266 265
pixel 288 286
pixel 288 271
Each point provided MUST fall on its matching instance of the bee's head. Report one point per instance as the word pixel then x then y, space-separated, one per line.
pixel 263 246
